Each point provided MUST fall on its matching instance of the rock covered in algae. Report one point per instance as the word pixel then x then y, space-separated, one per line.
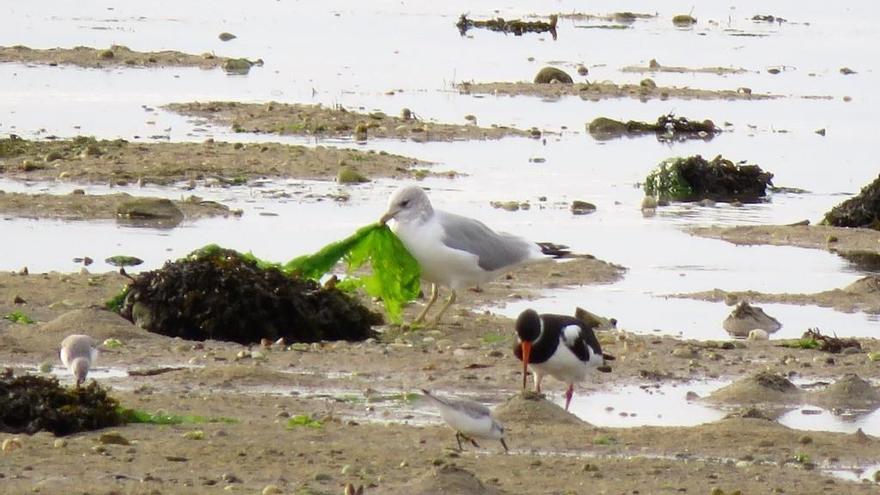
pixel 29 404
pixel 694 178
pixel 862 210
pixel 220 294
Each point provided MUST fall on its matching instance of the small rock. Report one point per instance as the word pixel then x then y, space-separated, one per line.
pixel 323 477
pixel 271 490
pixel 648 84
pixel 149 209
pixel 60 443
pixel 237 66
pixel 549 75
pixel 349 175
pixel 582 70
pixel 649 203
pixel 113 438
pixel 224 36
pixel 846 71
pixel 758 334
pixel 821 131
pixel 805 439
pixel 684 20
pixel 10 444
pixel 230 478
pixel 579 207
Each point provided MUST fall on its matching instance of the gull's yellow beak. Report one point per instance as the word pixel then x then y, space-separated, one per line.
pixel 387 216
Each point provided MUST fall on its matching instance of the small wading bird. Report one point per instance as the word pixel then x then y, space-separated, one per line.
pixel 79 353
pixel 455 251
pixel 469 419
pixel 561 346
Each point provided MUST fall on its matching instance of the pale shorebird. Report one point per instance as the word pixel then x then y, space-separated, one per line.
pixel 455 251
pixel 469 419
pixel 561 346
pixel 78 353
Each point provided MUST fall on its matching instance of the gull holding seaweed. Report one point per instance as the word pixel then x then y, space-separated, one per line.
pixel 78 353
pixel 455 251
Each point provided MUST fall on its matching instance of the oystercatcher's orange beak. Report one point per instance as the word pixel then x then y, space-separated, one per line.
pixel 526 350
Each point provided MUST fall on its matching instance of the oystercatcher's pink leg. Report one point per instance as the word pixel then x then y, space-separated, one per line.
pixel 568 394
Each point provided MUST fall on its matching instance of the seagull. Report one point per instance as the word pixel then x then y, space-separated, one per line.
pixel 78 353
pixel 454 251
pixel 561 346
pixel 469 419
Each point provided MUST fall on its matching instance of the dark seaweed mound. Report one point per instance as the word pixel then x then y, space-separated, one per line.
pixel 29 404
pixel 220 294
pixel 859 211
pixel 694 178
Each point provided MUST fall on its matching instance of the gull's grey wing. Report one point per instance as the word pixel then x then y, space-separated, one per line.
pixel 79 346
pixel 493 250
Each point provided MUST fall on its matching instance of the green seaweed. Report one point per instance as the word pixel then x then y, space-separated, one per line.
pixel 161 418
pixel 18 316
pixel 302 420
pixel 801 344
pixel 115 303
pixel 666 181
pixel 395 273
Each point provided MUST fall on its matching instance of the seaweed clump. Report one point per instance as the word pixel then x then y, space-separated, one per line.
pixel 217 293
pixel 862 210
pixel 34 403
pixel 515 26
pixel 695 179
pixel 668 127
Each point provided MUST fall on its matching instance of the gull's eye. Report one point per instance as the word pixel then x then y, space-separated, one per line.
pixel 404 203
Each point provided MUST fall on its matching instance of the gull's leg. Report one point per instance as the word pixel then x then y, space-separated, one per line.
pixel 444 308
pixel 568 394
pixel 538 378
pixel 504 444
pixel 474 442
pixel 435 291
pixel 458 439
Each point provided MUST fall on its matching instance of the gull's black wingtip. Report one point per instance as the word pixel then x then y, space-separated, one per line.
pixel 554 250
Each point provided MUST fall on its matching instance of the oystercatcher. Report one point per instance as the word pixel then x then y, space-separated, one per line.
pixel 469 419
pixel 561 346
pixel 455 251
pixel 78 353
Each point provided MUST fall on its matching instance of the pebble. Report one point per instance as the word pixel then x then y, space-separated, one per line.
pixel 60 443
pixel 323 477
pixel 113 438
pixel 11 444
pixel 230 478
pixel 271 490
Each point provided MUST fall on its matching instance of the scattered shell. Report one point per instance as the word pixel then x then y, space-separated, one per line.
pixel 758 334
pixel 11 444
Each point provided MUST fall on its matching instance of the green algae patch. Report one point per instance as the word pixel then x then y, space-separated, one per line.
pixel 303 421
pixel 34 403
pixel 18 316
pixel 163 418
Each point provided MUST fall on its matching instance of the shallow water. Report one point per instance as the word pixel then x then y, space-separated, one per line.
pixel 354 54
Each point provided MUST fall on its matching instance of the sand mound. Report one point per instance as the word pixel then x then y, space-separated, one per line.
pixel 763 388
pixel 865 286
pixel 447 479
pixel 532 408
pixel 850 392
pixel 97 323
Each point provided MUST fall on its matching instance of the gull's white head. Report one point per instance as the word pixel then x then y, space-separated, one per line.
pixel 408 204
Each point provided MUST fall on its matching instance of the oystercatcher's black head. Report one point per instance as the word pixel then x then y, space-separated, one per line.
pixel 528 325
pixel 528 328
